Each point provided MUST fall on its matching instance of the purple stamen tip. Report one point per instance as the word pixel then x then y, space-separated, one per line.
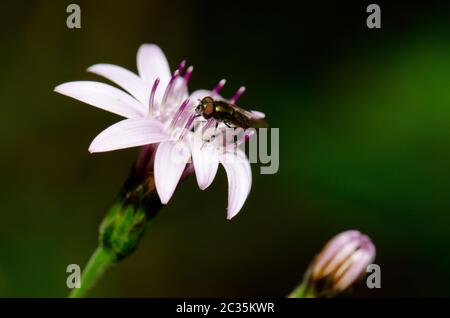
pixel 219 86
pixel 188 73
pixel 174 75
pixel 181 66
pixel 238 94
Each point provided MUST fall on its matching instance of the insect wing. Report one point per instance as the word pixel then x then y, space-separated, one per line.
pixel 243 112
pixel 256 120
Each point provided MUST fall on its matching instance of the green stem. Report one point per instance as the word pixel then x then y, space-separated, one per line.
pixel 305 289
pixel 122 228
pixel 99 262
pixel 299 291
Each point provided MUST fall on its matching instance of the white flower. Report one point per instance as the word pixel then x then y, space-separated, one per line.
pixel 158 111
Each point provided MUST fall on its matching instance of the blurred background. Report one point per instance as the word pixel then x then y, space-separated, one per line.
pixel 364 143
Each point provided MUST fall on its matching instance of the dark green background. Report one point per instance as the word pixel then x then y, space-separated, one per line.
pixel 365 143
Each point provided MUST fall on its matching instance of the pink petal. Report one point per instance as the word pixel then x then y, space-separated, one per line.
pixel 129 133
pixel 199 94
pixel 257 114
pixel 126 79
pixel 331 249
pixel 343 254
pixel 170 161
pixel 152 64
pixel 239 176
pixel 103 96
pixel 206 161
pixel 354 269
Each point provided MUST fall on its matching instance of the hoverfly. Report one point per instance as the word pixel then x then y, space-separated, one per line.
pixel 229 114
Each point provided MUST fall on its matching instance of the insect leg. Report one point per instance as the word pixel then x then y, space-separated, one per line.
pixel 213 136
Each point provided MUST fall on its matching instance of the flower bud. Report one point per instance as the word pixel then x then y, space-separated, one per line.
pixel 342 261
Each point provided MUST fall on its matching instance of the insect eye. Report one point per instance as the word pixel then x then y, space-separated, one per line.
pixel 207 100
pixel 209 108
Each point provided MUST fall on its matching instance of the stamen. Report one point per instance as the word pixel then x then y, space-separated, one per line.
pixel 188 73
pixel 179 112
pixel 184 117
pixel 188 125
pixel 219 86
pixel 181 66
pixel 170 86
pixel 151 102
pixel 237 95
